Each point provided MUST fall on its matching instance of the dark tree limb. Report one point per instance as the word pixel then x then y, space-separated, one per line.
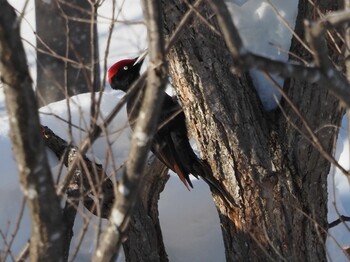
pixel 336 222
pixel 92 175
pixel 69 214
pixel 103 192
pixel 29 150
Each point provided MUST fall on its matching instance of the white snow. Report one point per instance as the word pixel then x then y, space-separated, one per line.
pixel 124 190
pixel 189 220
pixel 141 137
pixel 117 217
pixel 339 195
pixel 264 32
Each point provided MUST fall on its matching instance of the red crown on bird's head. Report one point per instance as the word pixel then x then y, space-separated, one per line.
pixel 113 70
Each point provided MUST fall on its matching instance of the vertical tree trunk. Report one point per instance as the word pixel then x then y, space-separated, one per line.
pixel 67 49
pixel 145 240
pixel 276 176
pixel 28 146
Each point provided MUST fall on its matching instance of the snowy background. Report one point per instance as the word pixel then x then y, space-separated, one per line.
pixel 189 220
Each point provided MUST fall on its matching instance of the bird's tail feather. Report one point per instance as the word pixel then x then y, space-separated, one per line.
pixel 205 172
pixel 183 177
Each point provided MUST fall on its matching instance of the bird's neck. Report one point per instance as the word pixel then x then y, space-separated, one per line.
pixel 133 107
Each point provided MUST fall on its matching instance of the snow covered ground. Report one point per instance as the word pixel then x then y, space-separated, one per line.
pixel 189 219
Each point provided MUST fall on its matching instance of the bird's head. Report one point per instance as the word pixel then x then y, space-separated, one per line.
pixel 122 74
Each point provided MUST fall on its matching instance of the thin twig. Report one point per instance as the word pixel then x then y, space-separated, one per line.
pixel 16 229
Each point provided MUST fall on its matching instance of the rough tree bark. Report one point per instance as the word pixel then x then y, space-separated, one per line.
pixel 67 49
pixel 29 151
pixel 276 176
pixel 145 240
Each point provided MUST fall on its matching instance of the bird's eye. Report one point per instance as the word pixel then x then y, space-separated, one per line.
pixel 125 67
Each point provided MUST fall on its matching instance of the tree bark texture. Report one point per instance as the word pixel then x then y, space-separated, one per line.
pixel 274 173
pixel 29 150
pixel 67 49
pixel 145 240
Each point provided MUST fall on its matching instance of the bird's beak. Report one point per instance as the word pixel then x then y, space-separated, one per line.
pixel 140 58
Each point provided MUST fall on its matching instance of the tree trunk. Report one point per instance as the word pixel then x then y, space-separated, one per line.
pixel 67 49
pixel 275 175
pixel 28 146
pixel 145 240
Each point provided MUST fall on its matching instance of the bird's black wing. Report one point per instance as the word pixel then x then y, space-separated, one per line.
pixel 182 152
pixel 163 148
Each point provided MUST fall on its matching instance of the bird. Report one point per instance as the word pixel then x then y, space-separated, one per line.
pixel 170 143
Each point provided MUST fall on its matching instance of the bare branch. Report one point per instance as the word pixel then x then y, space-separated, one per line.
pixel 29 150
pixel 141 140
pixel 14 234
pixel 229 31
pixel 91 174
